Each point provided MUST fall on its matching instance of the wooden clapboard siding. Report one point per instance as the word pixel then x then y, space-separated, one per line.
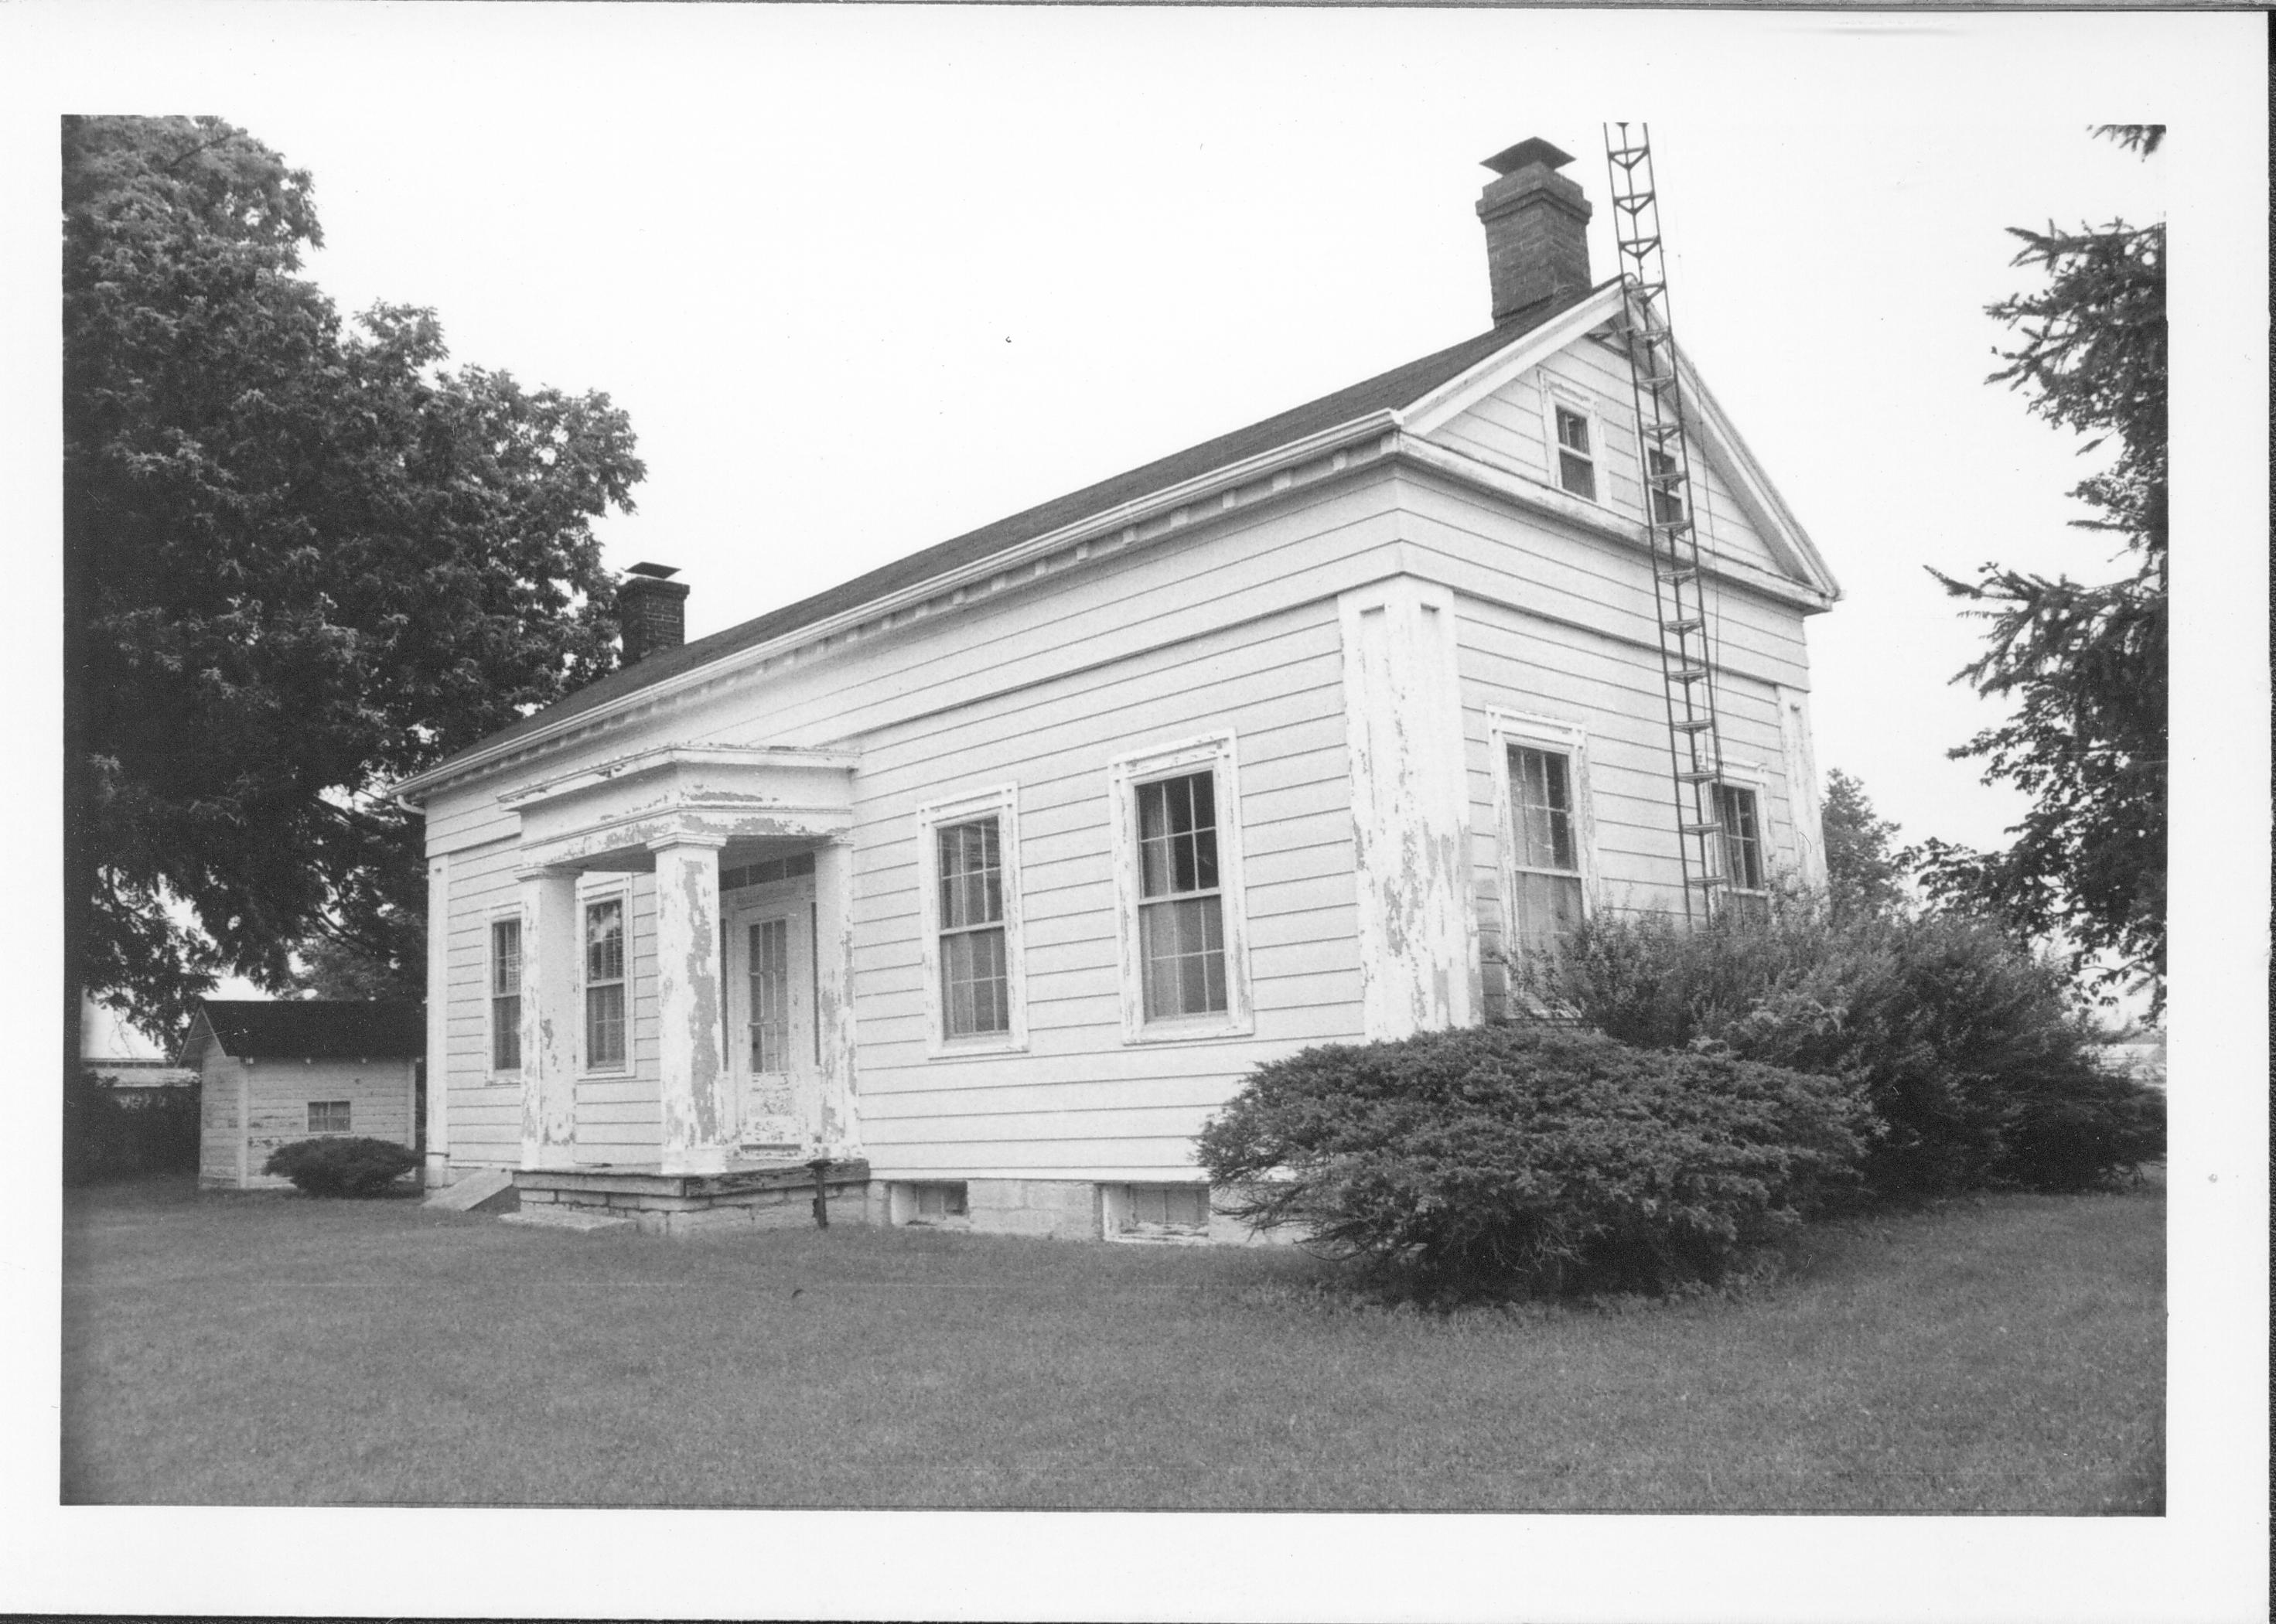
pixel 1509 428
pixel 484 1109
pixel 1276 682
pixel 378 1093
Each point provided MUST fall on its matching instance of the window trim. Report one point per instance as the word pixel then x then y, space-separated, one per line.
pixel 615 888
pixel 1556 394
pixel 513 914
pixel 1125 776
pixel 1002 803
pixel 1509 728
pixel 1751 777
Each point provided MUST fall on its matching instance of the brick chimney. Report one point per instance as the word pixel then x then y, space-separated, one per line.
pixel 1537 225
pixel 652 609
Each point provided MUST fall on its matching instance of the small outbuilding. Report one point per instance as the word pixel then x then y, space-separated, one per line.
pixel 276 1072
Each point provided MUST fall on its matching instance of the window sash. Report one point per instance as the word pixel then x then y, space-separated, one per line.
pixel 971 861
pixel 1576 464
pixel 1666 504
pixel 505 995
pixel 330 1116
pixel 1541 807
pixel 769 976
pixel 1737 811
pixel 1181 948
pixel 975 983
pixel 1176 836
pixel 604 984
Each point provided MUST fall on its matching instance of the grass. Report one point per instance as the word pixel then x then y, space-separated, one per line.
pixel 2004 1355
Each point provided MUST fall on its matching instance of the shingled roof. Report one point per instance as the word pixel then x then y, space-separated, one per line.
pixel 315 1029
pixel 1399 387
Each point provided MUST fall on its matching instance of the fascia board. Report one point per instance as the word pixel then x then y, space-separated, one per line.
pixel 1451 399
pixel 410 792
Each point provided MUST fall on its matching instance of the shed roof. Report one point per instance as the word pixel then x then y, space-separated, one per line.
pixel 313 1028
pixel 1401 386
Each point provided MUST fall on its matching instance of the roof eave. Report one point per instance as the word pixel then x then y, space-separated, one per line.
pixel 413 792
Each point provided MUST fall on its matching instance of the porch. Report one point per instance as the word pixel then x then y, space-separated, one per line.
pixel 748 996
pixel 780 1194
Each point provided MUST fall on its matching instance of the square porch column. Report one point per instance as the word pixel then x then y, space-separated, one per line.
pixel 837 1128
pixel 700 1117
pixel 550 974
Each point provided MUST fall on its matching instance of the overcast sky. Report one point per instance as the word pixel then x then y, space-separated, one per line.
pixel 862 289
pixel 866 279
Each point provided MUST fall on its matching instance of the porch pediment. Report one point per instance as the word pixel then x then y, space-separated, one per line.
pixel 609 814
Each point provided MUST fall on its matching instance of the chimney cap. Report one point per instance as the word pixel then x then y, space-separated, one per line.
pixel 1533 149
pixel 655 572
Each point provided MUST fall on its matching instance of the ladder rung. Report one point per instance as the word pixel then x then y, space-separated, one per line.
pixel 1687 673
pixel 1670 526
pixel 1707 882
pixel 1698 775
pixel 1637 248
pixel 1686 626
pixel 1701 829
pixel 1678 577
pixel 1692 725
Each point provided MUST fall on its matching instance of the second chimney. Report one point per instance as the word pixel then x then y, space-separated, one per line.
pixel 1537 225
pixel 651 611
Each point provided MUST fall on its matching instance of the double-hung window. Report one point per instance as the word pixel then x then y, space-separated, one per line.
pixel 1178 872
pixel 1545 850
pixel 969 853
pixel 976 986
pixel 1662 477
pixel 605 984
pixel 1181 908
pixel 1738 810
pixel 1576 457
pixel 1547 833
pixel 505 995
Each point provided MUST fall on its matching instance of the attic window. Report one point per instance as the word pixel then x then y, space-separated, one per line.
pixel 1576 462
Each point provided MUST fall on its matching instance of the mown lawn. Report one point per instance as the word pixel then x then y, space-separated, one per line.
pixel 2000 1355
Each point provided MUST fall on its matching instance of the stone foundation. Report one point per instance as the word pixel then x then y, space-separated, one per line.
pixel 775 1197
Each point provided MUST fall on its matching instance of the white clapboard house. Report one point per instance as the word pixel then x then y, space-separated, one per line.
pixel 988 874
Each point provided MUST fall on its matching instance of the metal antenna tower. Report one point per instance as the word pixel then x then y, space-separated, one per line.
pixel 1694 741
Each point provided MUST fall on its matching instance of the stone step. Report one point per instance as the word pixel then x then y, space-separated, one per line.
pixel 488 1189
pixel 567 1217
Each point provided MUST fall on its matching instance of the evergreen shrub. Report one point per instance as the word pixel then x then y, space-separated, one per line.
pixel 342 1167
pixel 1974 1052
pixel 1533 1158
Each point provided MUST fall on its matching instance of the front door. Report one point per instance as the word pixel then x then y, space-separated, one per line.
pixel 770 1022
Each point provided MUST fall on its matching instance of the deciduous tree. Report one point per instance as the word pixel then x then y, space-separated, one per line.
pixel 302 559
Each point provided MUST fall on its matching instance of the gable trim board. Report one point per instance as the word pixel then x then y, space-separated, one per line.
pixel 1388 432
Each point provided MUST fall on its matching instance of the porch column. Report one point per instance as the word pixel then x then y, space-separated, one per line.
pixel 839 1130
pixel 550 974
pixel 438 1022
pixel 700 1125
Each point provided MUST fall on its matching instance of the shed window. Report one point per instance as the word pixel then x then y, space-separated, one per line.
pixel 1576 461
pixel 505 995
pixel 328 1116
pixel 1547 857
pixel 976 985
pixel 1180 912
pixel 605 984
